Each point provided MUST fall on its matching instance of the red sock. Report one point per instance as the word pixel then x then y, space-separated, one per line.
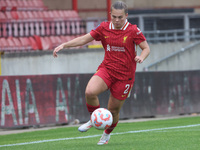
pixel 92 108
pixel 111 128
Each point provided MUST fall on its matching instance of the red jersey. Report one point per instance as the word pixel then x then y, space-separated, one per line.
pixel 119 46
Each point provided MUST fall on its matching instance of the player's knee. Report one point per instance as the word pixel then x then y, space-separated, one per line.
pixel 89 94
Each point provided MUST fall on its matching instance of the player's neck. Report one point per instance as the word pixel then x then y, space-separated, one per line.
pixel 120 28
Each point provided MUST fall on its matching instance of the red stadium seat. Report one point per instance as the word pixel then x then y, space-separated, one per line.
pixel 14 15
pixel 4 44
pixel 46 43
pixel 10 5
pixel 30 5
pixel 2 5
pixel 25 43
pixel 53 41
pixel 63 39
pixel 58 40
pixel 18 44
pixel 2 16
pixel 33 43
pixel 38 42
pixel 41 22
pixel 11 44
pixel 24 28
pixel 8 15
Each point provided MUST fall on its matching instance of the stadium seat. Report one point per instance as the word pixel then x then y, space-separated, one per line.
pixel 14 15
pixel 4 44
pixel 29 23
pixel 8 15
pixel 11 44
pixel 2 5
pixel 30 5
pixel 18 45
pixel 25 42
pixel 33 43
pixel 38 42
pixel 10 5
pixel 53 41
pixel 2 16
pixel 46 44
pixel 25 27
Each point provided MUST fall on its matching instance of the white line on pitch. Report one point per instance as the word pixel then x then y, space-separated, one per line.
pixel 92 136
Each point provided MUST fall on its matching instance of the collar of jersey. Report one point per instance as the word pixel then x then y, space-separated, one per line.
pixel 111 25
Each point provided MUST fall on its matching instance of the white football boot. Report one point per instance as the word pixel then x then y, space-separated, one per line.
pixel 104 139
pixel 86 126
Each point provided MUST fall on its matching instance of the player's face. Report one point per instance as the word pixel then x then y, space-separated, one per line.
pixel 118 17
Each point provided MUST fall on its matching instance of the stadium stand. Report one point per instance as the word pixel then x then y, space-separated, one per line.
pixel 28 25
pixel 54 22
pixel 31 18
pixel 13 44
pixel 9 5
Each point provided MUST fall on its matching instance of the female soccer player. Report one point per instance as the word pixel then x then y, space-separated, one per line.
pixel 117 71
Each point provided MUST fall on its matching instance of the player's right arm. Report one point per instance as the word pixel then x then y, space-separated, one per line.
pixel 79 41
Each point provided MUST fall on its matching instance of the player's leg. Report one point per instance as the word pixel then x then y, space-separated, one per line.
pixel 119 92
pixel 114 105
pixel 95 86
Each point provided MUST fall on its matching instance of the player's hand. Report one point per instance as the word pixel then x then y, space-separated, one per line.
pixel 138 59
pixel 57 49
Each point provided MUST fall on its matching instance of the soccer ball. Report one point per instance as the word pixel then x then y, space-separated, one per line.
pixel 101 119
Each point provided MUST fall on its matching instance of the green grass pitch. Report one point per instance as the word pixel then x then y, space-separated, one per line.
pixel 170 134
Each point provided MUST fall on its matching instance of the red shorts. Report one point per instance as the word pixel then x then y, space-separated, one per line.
pixel 120 89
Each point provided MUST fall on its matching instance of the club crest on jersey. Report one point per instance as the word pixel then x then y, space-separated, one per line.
pixel 124 39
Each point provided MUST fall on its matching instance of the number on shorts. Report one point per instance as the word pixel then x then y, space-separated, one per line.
pixel 127 86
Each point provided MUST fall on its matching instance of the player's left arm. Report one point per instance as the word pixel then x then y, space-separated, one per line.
pixel 145 52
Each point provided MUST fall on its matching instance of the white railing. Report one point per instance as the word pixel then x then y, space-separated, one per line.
pixel 172 35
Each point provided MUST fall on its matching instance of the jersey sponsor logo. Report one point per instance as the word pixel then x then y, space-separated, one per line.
pixel 115 48
pixel 124 39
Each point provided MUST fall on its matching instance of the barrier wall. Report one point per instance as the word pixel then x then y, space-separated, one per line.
pixel 59 99
pixel 78 61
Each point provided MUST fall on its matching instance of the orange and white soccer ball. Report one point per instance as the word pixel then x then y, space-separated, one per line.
pixel 101 118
